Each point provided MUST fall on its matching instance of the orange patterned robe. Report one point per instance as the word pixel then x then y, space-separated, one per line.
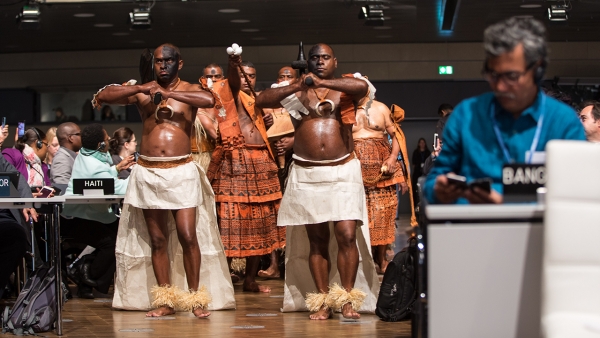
pixel 382 201
pixel 244 179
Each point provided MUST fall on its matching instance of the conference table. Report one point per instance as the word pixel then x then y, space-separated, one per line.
pixel 483 268
pixel 55 203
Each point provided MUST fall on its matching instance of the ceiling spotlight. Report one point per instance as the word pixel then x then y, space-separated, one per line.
pixel 558 12
pixel 140 18
pixel 29 18
pixel 373 15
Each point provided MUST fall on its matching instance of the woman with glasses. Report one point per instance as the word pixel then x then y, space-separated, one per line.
pixel 27 157
pixel 122 145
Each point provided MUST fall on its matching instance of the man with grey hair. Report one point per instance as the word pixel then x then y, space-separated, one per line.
pixel 590 118
pixel 510 125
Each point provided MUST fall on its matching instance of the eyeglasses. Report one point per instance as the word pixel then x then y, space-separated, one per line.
pixel 510 78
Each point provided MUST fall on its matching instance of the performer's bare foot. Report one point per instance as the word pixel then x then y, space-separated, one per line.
pixel 348 312
pixel 255 287
pixel 161 311
pixel 270 273
pixel 323 314
pixel 200 313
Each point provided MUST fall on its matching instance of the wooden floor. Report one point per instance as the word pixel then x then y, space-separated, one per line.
pixel 257 315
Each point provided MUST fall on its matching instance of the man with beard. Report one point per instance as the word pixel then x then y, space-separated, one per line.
pixel 511 125
pixel 243 173
pixel 168 204
pixel 325 197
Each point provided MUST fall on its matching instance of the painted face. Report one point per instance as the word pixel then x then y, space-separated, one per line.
pixel 321 61
pixel 166 63
pixel 590 126
pixel 251 72
pixel 287 74
pixel 511 79
pixel 213 73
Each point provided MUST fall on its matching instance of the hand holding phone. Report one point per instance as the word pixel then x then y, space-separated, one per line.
pixel 457 180
pixel 436 140
pixel 45 192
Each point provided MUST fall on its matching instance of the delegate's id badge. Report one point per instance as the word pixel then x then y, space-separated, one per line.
pixel 539 157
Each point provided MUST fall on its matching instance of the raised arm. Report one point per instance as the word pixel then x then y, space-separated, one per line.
pixel 233 75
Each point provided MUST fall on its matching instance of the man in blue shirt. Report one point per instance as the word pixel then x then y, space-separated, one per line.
pixel 510 125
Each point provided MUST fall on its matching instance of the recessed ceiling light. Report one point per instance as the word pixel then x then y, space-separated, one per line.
pixel 240 21
pixel 383 36
pixel 84 15
pixel 228 10
pixel 103 25
pixel 120 34
pixel 382 27
pixel 137 41
pixel 250 30
pixel 259 38
pixel 531 6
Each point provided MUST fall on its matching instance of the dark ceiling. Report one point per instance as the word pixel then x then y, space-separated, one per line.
pixel 279 22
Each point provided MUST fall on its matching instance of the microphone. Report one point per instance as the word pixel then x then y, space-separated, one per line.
pixel 157 98
pixel 309 81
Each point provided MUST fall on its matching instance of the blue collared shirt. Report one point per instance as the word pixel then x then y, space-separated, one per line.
pixel 470 145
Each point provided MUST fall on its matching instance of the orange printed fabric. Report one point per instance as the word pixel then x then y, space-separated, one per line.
pixel 398 117
pixel 381 207
pixel 250 229
pixel 244 174
pixel 372 153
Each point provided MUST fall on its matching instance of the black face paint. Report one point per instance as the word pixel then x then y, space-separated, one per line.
pixel 213 71
pixel 166 64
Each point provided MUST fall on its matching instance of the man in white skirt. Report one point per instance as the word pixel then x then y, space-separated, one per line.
pixel 325 193
pixel 168 221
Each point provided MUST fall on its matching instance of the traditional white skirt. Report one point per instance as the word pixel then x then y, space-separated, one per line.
pixel 317 195
pixel 185 186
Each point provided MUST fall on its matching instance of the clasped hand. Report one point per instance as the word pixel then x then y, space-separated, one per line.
pixel 151 88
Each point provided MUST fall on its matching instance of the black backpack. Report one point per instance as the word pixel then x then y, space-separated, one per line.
pixel 398 292
pixel 34 309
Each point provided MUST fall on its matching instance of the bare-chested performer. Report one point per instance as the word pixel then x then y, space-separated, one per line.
pixel 169 205
pixel 325 186
pixel 381 172
pixel 243 174
pixel 204 132
pixel 282 132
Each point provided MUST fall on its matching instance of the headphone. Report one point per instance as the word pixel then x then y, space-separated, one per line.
pixel 39 142
pixel 540 71
pixel 101 146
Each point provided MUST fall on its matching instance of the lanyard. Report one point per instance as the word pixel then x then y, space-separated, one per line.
pixel 536 136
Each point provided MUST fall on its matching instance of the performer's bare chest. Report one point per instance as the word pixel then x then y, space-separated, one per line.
pixel 249 130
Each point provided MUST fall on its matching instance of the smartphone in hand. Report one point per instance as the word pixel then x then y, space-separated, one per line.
pixel 436 141
pixel 21 128
pixel 457 180
pixel 45 192
pixel 3 122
